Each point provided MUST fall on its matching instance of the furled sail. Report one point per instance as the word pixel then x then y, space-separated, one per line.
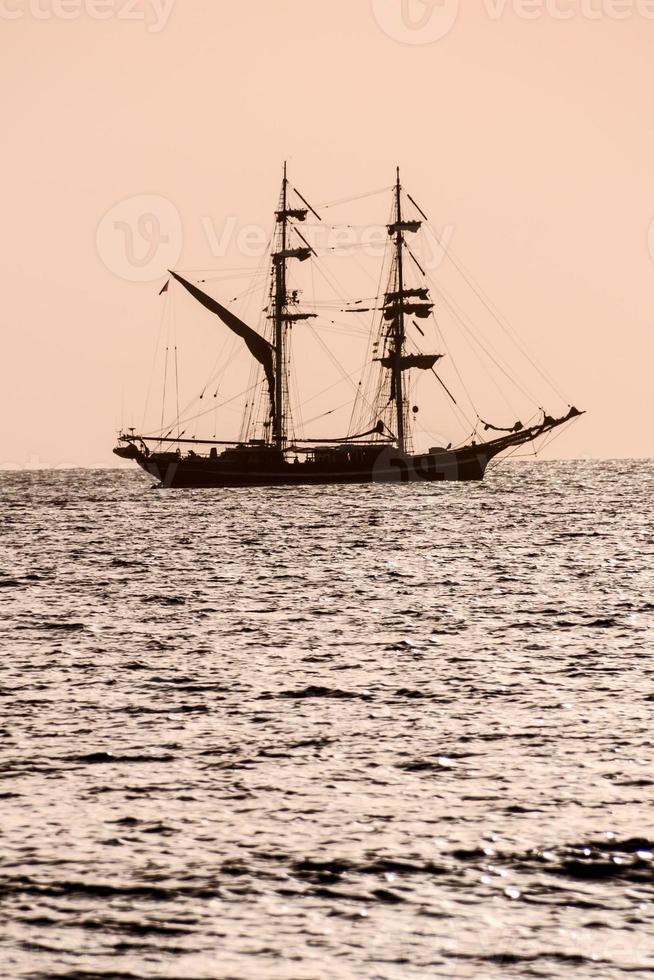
pixel 293 253
pixel 420 293
pixel 403 226
pixel 298 213
pixel 258 346
pixel 421 310
pixel 422 361
pixel 518 427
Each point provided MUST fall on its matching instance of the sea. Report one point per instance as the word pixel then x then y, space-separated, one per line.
pixel 386 731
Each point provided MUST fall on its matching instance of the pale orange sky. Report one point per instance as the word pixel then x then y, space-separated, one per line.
pixel 531 140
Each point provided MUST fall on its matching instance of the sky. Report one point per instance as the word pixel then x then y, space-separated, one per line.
pixel 145 134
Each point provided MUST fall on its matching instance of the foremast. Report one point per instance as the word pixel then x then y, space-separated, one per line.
pixel 282 315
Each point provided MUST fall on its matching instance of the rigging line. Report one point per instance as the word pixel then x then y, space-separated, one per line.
pixel 492 378
pixel 300 405
pixel 366 271
pixel 453 308
pixel 254 288
pixel 556 434
pixel 225 279
pixel 372 379
pixel 330 279
pixel 163 400
pixel 327 277
pixel 229 342
pixel 511 333
pixel 412 343
pixel 154 360
pixel 177 389
pixel 333 283
pixel 324 415
pixel 334 360
pixel 218 376
pixel 336 332
pixel 295 409
pixel 235 272
pixel 247 412
pixel 256 411
pixel 441 340
pixel 336 302
pixel 352 245
pixel 357 197
pixel 323 391
pixel 460 318
pixel 341 327
pixel 511 452
pixel 207 411
pixel 253 405
pixel 498 317
pixel 515 454
pixel 213 373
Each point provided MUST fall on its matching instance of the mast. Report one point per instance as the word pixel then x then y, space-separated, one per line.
pixel 283 317
pixel 398 333
pixel 280 323
pixel 401 300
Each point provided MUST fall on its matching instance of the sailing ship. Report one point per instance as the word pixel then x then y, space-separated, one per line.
pixel 383 450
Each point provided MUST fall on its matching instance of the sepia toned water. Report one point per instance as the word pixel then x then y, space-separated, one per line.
pixel 362 732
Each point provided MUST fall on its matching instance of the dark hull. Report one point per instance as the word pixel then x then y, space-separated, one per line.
pixel 384 467
pixel 248 465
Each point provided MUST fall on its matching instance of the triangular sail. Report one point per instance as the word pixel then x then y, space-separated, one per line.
pixel 258 346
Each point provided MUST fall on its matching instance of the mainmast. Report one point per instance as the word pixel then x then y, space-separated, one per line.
pixel 282 316
pixel 401 301
pixel 398 335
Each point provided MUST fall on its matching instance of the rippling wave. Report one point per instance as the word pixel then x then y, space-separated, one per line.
pixel 377 731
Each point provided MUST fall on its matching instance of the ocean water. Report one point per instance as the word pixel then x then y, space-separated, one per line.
pixel 364 732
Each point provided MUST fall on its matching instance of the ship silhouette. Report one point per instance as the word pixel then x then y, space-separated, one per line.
pixel 381 451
